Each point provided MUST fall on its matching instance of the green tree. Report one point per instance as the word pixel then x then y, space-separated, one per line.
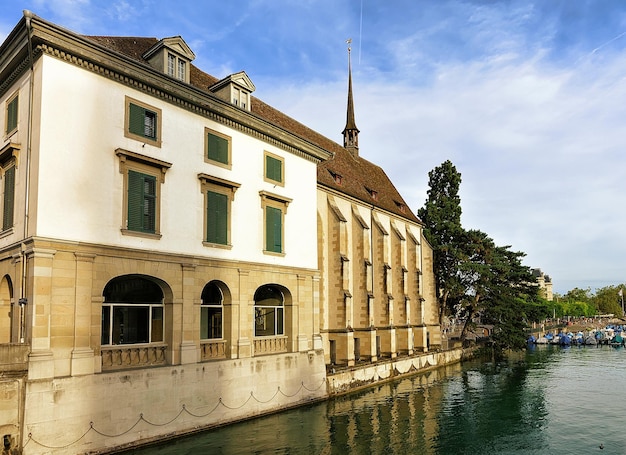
pixel 499 288
pixel 441 216
pixel 608 301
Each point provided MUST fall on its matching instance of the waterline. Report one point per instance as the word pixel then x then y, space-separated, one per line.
pixel 550 399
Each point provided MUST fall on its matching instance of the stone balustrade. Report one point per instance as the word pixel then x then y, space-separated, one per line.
pixel 212 350
pixel 270 345
pixel 132 356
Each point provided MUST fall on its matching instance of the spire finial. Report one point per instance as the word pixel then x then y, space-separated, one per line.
pixel 350 132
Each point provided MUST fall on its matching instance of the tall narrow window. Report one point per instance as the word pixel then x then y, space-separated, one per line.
pixel 143 178
pixel 171 65
pixel 181 69
pixel 11 114
pixel 268 311
pixel 273 229
pixel 274 171
pixel 143 122
pixel 217 218
pixel 218 196
pixel 141 202
pixel 211 312
pixel 8 198
pixel 274 210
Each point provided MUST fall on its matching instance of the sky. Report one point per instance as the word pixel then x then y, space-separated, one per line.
pixel 526 98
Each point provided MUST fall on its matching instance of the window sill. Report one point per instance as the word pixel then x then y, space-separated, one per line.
pixel 146 235
pixel 273 253
pixel 6 232
pixel 217 245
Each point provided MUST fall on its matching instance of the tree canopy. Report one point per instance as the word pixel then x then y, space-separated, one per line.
pixel 475 278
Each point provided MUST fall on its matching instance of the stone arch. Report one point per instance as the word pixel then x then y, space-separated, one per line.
pixel 133 310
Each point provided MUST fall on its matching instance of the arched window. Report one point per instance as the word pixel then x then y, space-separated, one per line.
pixel 211 312
pixel 268 311
pixel 132 311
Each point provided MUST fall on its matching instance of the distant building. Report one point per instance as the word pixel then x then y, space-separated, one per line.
pixel 174 249
pixel 545 284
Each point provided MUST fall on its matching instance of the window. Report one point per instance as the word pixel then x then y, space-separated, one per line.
pixel 132 311
pixel 141 202
pixel 273 229
pixel 171 65
pixel 240 98
pixel 211 312
pixel 268 311
pixel 11 114
pixel 218 149
pixel 181 69
pixel 219 194
pixel 274 210
pixel 143 177
pixel 176 67
pixel 143 122
pixel 274 169
pixel 8 197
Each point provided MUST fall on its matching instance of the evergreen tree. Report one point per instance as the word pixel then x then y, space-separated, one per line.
pixel 441 216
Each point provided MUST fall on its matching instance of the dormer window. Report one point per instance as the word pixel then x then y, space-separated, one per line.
pixel 336 177
pixel 235 89
pixel 171 55
pixel 401 206
pixel 373 193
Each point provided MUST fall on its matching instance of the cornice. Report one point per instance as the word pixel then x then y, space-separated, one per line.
pixel 79 51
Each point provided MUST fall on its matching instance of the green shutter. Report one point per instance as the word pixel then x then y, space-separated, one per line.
pixel 273 169
pixel 9 192
pixel 141 202
pixel 273 229
pixel 12 115
pixel 136 120
pixel 218 148
pixel 217 218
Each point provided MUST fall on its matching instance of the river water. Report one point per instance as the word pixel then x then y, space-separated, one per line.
pixel 549 400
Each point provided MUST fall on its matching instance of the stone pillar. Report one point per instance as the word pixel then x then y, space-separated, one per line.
pixel 242 318
pixel 190 312
pixel 82 357
pixel 38 295
pixel 315 313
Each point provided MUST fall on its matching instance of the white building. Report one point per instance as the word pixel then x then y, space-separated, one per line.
pixel 158 255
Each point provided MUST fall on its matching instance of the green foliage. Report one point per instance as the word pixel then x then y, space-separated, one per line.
pixel 473 275
pixel 441 215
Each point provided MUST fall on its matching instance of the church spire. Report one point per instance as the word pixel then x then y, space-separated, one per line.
pixel 350 132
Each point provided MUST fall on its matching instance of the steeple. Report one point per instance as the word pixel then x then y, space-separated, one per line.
pixel 350 132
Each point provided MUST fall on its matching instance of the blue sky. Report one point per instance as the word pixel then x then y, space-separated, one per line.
pixel 527 99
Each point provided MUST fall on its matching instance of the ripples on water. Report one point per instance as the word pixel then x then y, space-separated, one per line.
pixel 550 400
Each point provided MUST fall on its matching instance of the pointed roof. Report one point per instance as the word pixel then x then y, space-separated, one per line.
pixel 350 123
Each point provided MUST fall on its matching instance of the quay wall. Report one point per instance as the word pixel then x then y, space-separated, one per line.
pixel 361 376
pixel 110 411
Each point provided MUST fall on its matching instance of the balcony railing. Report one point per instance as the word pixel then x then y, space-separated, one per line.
pixel 212 350
pixel 270 345
pixel 132 356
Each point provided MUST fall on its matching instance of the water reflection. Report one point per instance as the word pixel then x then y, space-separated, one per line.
pixel 521 406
